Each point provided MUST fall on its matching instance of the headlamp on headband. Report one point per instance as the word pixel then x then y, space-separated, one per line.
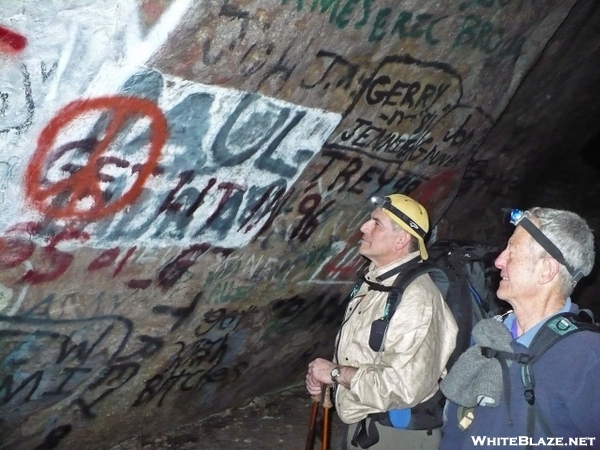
pixel 518 217
pixel 385 203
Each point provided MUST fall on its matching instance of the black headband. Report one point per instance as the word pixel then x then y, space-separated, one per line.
pixel 547 244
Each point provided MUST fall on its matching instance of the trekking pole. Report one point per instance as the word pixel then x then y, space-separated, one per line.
pixel 310 438
pixel 326 418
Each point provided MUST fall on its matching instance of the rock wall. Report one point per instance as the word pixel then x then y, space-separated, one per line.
pixel 533 154
pixel 542 150
pixel 182 184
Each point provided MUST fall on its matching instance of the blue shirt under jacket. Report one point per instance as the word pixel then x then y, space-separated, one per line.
pixel 567 393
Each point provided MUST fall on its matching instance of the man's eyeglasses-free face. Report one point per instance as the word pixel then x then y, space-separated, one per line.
pixel 519 217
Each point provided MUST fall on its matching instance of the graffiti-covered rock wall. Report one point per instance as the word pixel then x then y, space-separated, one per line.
pixel 182 183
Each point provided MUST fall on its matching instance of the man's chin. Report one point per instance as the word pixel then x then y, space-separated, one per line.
pixel 500 294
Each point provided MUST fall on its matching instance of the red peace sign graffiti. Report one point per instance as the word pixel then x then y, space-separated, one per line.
pixel 65 198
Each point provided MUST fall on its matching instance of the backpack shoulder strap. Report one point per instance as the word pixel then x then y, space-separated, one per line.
pixel 558 327
pixel 404 279
pixel 411 271
pixel 554 329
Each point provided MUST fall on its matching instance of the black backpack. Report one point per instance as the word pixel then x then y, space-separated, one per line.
pixel 464 274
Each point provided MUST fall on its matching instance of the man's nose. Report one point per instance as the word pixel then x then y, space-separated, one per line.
pixel 365 226
pixel 501 259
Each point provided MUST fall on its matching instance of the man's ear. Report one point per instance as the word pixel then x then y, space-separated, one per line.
pixel 550 268
pixel 402 240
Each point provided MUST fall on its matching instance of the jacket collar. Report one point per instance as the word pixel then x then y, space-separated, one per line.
pixel 375 272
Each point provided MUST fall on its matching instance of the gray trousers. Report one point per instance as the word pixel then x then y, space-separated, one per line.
pixel 398 439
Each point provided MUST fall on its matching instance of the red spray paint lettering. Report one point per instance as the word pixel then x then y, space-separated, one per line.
pixel 11 42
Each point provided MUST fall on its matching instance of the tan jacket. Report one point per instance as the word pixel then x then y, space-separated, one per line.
pixel 419 340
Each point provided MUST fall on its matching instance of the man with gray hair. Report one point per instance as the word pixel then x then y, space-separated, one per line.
pixel 535 380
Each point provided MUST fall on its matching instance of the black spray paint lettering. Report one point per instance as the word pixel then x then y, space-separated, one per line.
pixel 112 379
pixel 180 313
pixel 402 94
pixel 347 169
pixel 461 136
pixel 310 212
pixel 191 368
pixel 330 76
pixel 221 320
pixel 230 12
pixel 58 379
pixel 323 308
pixel 175 269
pixel 29 105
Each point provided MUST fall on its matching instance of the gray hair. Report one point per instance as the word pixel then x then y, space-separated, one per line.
pixel 573 237
pixel 413 245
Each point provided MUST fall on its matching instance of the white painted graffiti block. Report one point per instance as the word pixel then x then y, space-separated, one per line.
pixel 167 161
pixel 129 155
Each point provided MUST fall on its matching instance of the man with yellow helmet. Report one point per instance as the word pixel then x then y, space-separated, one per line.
pixel 385 391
